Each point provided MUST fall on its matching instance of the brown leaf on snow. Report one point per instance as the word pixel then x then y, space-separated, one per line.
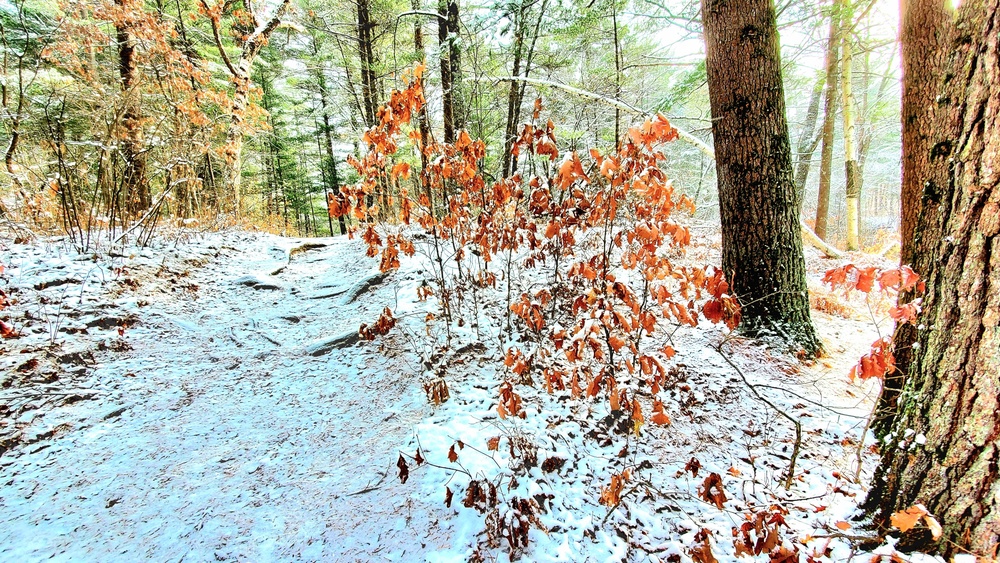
pixel 693 466
pixel 711 490
pixel 452 455
pixel 404 471
pixel 493 444
pixel 702 553
pixel 553 464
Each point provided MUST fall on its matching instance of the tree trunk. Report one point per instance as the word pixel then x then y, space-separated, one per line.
pixel 447 86
pixel 513 101
pixel 330 164
pixel 761 242
pixel 852 187
pixel 134 179
pixel 924 29
pixel 422 120
pixel 829 119
pixel 369 87
pixel 522 68
pixel 945 445
pixel 618 72
pixel 455 61
pixel 808 140
pixel 251 46
pixel 923 35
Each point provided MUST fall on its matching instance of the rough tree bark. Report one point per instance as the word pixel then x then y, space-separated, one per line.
pixel 447 79
pixel 829 119
pixel 369 87
pixel 455 61
pixel 944 449
pixel 759 207
pixel 924 28
pixel 925 25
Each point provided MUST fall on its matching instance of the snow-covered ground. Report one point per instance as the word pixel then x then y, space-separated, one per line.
pixel 238 417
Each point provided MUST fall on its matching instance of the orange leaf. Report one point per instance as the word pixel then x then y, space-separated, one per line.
pixel 659 417
pixel 907 519
pixel 616 343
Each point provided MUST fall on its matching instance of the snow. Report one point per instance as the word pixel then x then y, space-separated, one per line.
pixel 239 417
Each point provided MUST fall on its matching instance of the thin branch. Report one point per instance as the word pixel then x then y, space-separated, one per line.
pixel 614 102
pixel 218 39
pixel 798 425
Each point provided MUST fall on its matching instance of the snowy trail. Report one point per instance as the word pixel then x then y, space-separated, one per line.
pixel 218 437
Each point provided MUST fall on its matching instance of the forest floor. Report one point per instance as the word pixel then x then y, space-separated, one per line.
pixel 207 398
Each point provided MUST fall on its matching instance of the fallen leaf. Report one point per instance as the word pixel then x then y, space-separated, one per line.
pixel 404 471
pixel 907 519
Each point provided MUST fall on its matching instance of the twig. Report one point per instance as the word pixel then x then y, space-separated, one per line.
pixel 798 425
pixel 369 487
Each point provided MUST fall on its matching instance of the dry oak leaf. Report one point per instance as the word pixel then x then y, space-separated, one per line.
pixel 711 490
pixel 905 520
pixel 659 417
pixel 404 471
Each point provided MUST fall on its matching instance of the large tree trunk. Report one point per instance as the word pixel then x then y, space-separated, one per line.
pixel 759 207
pixel 924 28
pixel 945 446
pixel 923 35
pixel 829 119
pixel 134 181
pixel 251 46
pixel 852 187
pixel 455 60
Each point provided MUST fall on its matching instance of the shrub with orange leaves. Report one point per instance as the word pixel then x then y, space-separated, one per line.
pixel 879 360
pixel 578 242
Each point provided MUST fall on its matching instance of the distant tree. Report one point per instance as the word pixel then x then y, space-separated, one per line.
pixel 829 119
pixel 759 206
pixel 253 30
pixel 945 440
pixel 852 182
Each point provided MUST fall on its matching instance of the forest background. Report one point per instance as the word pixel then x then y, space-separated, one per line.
pixel 123 113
